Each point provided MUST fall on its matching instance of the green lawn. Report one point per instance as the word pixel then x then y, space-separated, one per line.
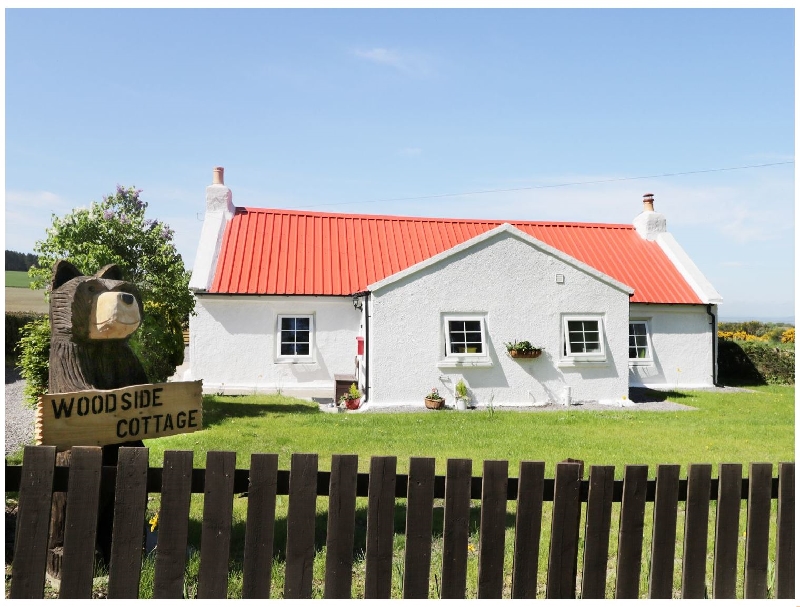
pixel 726 427
pixel 17 279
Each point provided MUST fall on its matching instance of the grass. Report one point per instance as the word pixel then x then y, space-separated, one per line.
pixel 726 427
pixel 17 279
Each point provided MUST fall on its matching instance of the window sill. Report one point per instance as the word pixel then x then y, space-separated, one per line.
pixel 454 362
pixel 643 362
pixel 565 364
pixel 295 361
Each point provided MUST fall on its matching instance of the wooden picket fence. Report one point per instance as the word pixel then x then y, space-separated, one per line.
pixel 132 480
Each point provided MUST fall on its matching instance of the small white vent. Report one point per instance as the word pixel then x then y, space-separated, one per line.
pixel 560 279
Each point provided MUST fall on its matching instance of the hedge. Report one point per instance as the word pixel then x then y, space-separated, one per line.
pixel 15 321
pixel 754 362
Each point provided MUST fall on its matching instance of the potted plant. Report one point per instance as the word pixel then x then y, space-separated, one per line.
pixel 462 398
pixel 352 398
pixel 433 400
pixel 523 349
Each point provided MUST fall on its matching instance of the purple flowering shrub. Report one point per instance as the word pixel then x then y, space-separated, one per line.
pixel 116 230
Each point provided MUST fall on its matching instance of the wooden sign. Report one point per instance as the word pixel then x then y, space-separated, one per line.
pixel 107 417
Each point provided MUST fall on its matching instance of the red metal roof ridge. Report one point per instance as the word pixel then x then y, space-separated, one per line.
pixel 580 224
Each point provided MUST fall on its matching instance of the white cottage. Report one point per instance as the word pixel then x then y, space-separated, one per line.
pixel 288 300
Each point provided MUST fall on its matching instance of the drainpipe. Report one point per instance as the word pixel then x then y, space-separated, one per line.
pixel 366 346
pixel 713 344
pixel 365 295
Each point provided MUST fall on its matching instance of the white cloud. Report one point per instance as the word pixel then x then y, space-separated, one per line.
pixel 414 64
pixel 28 214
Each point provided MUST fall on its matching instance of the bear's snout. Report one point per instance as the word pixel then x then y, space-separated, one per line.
pixel 115 315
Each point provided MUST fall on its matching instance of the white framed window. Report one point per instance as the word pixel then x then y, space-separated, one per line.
pixel 295 337
pixel 465 340
pixel 639 347
pixel 583 338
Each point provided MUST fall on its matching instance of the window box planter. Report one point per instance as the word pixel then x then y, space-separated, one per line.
pixel 518 354
pixel 432 403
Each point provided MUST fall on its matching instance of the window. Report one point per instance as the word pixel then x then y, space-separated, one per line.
pixel 295 337
pixel 639 341
pixel 465 336
pixel 583 338
pixel 465 340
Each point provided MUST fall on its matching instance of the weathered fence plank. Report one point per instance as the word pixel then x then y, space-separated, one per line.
pixel 726 537
pixel 561 571
pixel 173 525
pixel 33 520
pixel 493 529
pixel 380 527
pixel 528 530
pixel 260 530
pixel 784 540
pixel 597 531
pixel 695 536
pixel 631 529
pixel 130 504
pixel 457 491
pixel 215 539
pixel 80 530
pixel 300 525
pixel 341 527
pixel 665 517
pixel 419 526
pixel 757 546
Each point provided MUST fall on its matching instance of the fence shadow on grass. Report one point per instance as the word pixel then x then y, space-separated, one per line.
pixel 238 530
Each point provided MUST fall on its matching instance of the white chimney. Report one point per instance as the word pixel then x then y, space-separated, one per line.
pixel 219 211
pixel 648 223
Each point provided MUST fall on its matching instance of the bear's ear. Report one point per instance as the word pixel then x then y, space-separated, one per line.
pixel 111 271
pixel 63 272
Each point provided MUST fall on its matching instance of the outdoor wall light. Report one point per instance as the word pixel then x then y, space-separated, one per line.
pixel 357 303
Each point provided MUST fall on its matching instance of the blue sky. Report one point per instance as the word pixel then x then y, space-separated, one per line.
pixel 383 111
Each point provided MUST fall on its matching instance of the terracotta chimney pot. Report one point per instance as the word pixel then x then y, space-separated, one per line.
pixel 219 176
pixel 648 202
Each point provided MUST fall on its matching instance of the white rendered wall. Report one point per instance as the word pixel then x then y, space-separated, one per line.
pixel 514 284
pixel 233 344
pixel 681 337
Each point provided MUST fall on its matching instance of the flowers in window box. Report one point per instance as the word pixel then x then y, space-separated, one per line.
pixel 523 349
pixel 352 398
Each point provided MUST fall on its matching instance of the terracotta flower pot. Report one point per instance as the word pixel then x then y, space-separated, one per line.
pixel 352 404
pixel 518 354
pixel 434 404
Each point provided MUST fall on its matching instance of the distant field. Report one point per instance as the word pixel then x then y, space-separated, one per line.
pixel 17 279
pixel 25 300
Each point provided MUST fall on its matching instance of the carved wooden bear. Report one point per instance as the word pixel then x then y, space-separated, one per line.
pixel 91 318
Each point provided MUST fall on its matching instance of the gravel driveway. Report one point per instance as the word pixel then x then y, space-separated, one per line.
pixel 19 418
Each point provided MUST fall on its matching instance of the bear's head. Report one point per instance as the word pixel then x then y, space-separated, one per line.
pixel 96 307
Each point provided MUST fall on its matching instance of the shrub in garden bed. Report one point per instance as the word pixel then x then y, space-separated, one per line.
pixel 754 362
pixel 15 321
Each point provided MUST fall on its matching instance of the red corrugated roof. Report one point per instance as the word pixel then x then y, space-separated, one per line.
pixel 277 252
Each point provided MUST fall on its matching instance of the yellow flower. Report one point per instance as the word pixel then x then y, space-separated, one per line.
pixel 471 548
pixel 154 522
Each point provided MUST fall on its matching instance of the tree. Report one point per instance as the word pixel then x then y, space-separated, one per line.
pixel 116 231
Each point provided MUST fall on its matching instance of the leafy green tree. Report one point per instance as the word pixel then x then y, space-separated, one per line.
pixel 116 231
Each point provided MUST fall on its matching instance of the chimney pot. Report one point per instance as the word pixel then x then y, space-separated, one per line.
pixel 219 176
pixel 648 202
